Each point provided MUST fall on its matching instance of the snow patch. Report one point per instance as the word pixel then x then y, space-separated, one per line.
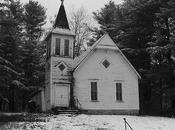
pixel 94 122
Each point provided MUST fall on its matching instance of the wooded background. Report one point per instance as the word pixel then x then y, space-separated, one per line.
pixel 143 29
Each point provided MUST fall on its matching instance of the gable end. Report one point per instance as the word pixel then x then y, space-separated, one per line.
pixel 104 45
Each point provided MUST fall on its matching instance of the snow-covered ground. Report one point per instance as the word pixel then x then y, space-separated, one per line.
pixel 93 122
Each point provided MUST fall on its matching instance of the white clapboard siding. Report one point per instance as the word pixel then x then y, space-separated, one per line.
pixel 118 71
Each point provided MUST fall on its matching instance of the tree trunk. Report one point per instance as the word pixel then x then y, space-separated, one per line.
pixel 11 99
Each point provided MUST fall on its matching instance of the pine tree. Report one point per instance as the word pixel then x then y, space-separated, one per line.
pixel 34 20
pixel 11 22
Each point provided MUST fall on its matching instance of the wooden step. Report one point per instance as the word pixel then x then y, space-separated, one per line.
pixel 66 112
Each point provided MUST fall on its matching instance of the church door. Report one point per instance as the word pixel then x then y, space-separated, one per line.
pixel 62 95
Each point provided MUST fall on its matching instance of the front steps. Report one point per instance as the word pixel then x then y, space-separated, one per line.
pixel 73 112
pixel 64 110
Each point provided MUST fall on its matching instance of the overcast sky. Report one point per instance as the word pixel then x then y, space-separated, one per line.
pixel 52 6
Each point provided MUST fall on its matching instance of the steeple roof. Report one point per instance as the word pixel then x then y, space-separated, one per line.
pixel 61 19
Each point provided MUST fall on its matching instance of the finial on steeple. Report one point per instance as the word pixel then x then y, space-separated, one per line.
pixel 61 19
pixel 62 1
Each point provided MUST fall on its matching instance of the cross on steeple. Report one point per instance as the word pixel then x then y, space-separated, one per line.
pixel 62 1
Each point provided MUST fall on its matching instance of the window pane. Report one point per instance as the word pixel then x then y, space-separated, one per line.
pixel 119 91
pixel 93 90
pixel 62 67
pixel 57 48
pixel 106 63
pixel 66 48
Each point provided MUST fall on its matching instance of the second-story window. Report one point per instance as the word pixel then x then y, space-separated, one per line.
pixel 66 48
pixel 57 46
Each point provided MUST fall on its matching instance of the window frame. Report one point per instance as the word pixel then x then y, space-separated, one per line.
pixel 119 91
pixel 106 64
pixel 61 63
pixel 93 94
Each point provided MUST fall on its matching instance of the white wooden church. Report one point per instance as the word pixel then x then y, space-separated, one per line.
pixel 101 80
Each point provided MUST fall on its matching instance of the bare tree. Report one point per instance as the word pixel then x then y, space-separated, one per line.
pixel 81 25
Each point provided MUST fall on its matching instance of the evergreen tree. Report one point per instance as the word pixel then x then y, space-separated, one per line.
pixel 11 76
pixel 21 65
pixel 34 20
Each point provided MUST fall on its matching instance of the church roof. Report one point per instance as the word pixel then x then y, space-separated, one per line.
pixel 79 60
pixel 61 19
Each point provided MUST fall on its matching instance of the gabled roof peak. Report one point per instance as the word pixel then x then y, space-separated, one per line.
pixel 61 19
pixel 79 60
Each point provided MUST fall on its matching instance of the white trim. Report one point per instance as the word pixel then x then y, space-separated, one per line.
pixel 118 80
pixel 94 79
pixel 107 47
pixel 91 50
pixel 43 102
pixel 64 43
pixel 52 46
pixel 61 62
pixel 129 63
pixel 51 83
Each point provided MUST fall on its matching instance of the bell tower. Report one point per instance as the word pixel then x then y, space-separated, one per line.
pixel 59 63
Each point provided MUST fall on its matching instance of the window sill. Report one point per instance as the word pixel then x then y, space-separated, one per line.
pixel 63 56
pixel 94 101
pixel 67 56
pixel 118 101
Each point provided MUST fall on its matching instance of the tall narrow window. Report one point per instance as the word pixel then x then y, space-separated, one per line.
pixel 66 48
pixel 94 91
pixel 57 46
pixel 119 91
